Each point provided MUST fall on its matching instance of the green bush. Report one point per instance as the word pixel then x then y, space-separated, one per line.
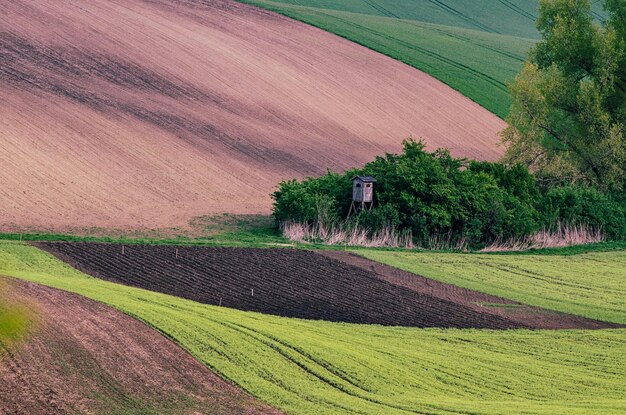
pixel 299 201
pixel 578 204
pixel 381 217
pixel 437 195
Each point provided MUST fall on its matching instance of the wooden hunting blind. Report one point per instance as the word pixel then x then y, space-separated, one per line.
pixel 362 193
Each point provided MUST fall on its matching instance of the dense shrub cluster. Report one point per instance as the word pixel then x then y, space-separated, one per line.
pixel 435 195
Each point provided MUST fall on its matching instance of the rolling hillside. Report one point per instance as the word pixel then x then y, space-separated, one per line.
pixel 476 47
pixel 590 284
pixel 505 17
pixel 334 286
pixel 131 113
pixel 320 368
pixel 82 357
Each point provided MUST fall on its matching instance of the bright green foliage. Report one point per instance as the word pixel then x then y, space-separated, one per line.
pixel 436 195
pixel 426 193
pixel 586 205
pixel 568 117
pixel 476 63
pixel 320 368
pixel 300 202
pixel 591 285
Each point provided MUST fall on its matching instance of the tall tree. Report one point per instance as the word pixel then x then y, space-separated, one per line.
pixel 568 117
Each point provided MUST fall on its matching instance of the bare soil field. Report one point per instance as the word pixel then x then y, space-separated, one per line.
pixel 85 357
pixel 302 284
pixel 144 114
pixel 534 317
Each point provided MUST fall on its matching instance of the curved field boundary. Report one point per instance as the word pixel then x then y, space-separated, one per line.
pixel 585 284
pixel 535 317
pixel 369 369
pixel 515 18
pixel 284 282
pixel 86 357
pixel 424 34
pixel 330 286
pixel 444 60
pixel 172 110
pixel 478 63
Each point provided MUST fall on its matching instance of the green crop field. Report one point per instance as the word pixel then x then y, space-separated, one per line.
pixel 476 47
pixel 313 367
pixel 516 18
pixel 591 285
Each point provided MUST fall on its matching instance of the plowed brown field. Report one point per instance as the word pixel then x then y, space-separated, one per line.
pixel 130 113
pixel 333 286
pixel 535 317
pixel 87 358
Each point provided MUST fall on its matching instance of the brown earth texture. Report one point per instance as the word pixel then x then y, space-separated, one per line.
pixel 144 114
pixel 82 357
pixel 525 315
pixel 322 285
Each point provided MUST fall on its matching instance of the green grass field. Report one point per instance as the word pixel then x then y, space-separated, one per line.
pixel 591 285
pixel 308 367
pixel 516 18
pixel 219 230
pixel 476 47
pixel 477 64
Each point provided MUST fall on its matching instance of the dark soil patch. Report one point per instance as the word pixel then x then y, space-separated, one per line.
pixel 534 317
pixel 285 282
pixel 83 357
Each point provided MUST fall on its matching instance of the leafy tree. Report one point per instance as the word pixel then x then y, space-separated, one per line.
pixel 568 117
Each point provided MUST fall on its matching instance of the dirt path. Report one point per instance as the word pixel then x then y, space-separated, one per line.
pixel 84 357
pixel 144 114
pixel 529 316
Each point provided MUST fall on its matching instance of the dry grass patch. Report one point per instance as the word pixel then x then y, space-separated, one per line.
pixel 351 235
pixel 564 235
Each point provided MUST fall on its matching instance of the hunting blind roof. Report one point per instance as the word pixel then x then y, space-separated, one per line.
pixel 366 179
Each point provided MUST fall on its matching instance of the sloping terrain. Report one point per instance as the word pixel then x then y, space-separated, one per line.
pixel 587 284
pixel 477 47
pixel 523 314
pixel 506 17
pixel 131 113
pixel 311 367
pixel 477 63
pixel 85 357
pixel 333 286
pixel 285 282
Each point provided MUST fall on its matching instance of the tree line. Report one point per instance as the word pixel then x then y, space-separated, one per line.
pixel 435 194
pixel 566 150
